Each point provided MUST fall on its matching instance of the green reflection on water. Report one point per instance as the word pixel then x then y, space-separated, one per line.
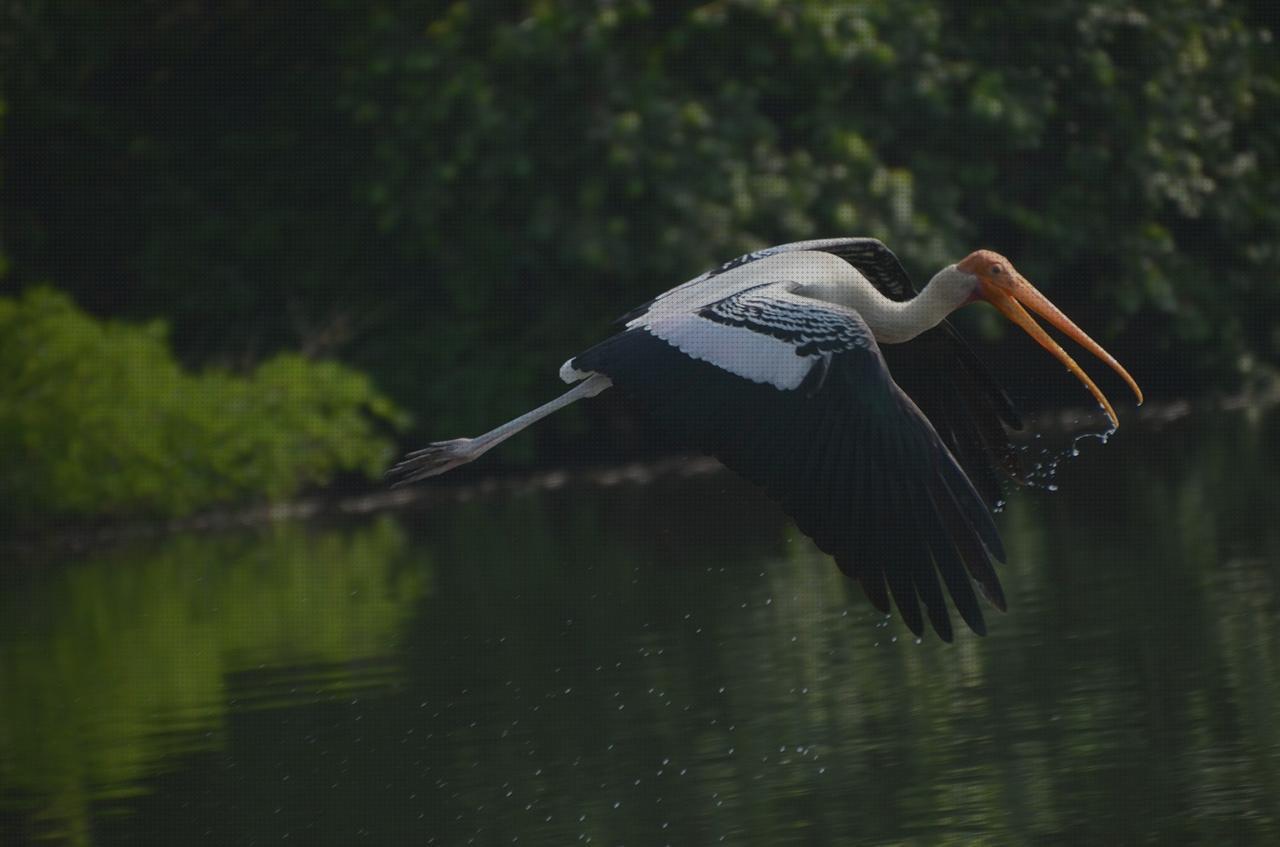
pixel 114 666
pixel 715 682
pixel 675 664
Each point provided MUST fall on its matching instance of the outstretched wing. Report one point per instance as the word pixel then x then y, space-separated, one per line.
pixel 942 374
pixel 793 394
pixel 937 369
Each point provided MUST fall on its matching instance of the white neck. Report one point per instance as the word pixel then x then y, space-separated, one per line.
pixel 895 321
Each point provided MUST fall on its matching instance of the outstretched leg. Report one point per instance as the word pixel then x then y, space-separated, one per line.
pixel 442 456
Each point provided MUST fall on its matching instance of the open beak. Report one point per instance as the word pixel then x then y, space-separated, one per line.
pixel 1010 295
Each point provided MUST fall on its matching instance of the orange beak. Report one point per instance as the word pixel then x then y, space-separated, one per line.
pixel 1010 291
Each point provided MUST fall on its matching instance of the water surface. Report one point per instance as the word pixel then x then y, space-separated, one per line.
pixel 668 663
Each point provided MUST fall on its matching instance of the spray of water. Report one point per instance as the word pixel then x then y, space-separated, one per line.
pixel 1043 459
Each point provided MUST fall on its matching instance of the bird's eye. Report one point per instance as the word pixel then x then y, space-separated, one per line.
pixel 996 270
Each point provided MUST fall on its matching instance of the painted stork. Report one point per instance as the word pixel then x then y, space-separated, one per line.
pixel 888 457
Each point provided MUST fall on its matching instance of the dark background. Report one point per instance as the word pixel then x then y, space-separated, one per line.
pixel 452 198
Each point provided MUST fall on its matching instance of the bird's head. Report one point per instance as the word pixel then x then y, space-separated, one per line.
pixel 996 281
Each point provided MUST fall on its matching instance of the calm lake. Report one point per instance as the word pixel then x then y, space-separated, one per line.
pixel 663 664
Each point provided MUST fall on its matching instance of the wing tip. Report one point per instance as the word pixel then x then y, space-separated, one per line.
pixel 946 633
pixel 994 594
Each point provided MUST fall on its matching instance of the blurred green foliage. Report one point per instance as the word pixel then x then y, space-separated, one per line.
pixel 458 196
pixel 97 418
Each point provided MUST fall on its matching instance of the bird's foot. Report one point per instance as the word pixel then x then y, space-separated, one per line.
pixel 433 460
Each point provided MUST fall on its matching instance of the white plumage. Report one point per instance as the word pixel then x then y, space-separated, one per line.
pixel 772 363
pixel 777 283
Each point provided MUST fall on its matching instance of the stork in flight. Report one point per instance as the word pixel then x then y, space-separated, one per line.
pixel 888 457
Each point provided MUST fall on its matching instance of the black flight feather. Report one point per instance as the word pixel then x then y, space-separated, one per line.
pixel 851 459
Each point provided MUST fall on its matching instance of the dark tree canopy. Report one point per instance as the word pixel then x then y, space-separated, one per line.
pixel 458 196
